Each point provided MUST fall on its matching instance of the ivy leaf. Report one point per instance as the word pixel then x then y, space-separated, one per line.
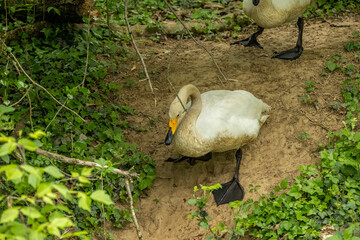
pixel 7 148
pixel 30 212
pixel 9 215
pixel 53 171
pixel 84 201
pixel 101 196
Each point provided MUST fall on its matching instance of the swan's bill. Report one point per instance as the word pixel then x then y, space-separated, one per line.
pixel 171 131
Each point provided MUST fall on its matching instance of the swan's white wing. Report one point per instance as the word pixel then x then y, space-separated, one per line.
pixel 229 114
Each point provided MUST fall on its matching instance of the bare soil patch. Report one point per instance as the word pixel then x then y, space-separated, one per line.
pixel 279 150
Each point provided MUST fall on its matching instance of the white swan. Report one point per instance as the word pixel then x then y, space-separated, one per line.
pixel 215 121
pixel 273 13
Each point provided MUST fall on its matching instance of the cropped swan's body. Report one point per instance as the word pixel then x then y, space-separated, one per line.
pixel 215 121
pixel 273 13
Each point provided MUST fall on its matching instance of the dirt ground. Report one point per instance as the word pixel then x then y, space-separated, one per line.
pixel 279 149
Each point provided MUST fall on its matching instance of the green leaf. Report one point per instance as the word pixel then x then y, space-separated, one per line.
pixel 192 201
pixel 284 183
pixel 12 172
pixel 28 144
pixel 331 65
pixel 43 189
pixel 62 190
pixel 348 233
pixel 75 234
pixel 101 196
pixel 53 171
pixel 7 148
pixel 84 201
pixel 4 109
pixel 86 172
pixel 335 237
pixel 30 212
pixel 204 225
pixel 53 230
pixel 62 222
pixel 33 171
pixel 38 134
pixel 9 215
pixel 84 180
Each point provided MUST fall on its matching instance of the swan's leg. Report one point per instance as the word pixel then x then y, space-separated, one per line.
pixel 231 191
pixel 251 41
pixel 190 160
pixel 295 52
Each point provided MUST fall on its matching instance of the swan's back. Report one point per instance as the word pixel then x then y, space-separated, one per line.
pixel 230 114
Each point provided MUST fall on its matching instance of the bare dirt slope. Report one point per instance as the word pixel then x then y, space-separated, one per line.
pixel 279 150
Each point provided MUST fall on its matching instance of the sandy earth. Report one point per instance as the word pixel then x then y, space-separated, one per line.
pixel 279 150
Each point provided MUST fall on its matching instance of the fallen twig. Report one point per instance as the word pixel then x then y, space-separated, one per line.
pixel 87 55
pixel 26 94
pixel 192 37
pixel 171 56
pixel 30 112
pixel 76 161
pixel 134 44
pixel 40 86
pixel 127 184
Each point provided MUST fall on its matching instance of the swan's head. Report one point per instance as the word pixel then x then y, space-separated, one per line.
pixel 176 113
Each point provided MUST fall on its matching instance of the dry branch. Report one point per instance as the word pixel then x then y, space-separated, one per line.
pixel 127 184
pixel 133 42
pixel 76 161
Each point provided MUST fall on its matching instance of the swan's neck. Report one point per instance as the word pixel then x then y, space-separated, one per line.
pixel 188 123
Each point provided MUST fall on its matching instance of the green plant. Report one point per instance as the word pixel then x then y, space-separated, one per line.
pixel 304 135
pixel 56 61
pixel 309 86
pixel 38 208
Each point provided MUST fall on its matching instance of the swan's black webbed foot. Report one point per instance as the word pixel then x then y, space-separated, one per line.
pixel 290 54
pixel 295 52
pixel 231 191
pixel 190 160
pixel 251 41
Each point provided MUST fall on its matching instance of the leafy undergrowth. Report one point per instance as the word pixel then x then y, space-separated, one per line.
pixel 326 194
pixel 56 61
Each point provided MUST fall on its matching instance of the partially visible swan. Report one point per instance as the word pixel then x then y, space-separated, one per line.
pixel 215 121
pixel 273 13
